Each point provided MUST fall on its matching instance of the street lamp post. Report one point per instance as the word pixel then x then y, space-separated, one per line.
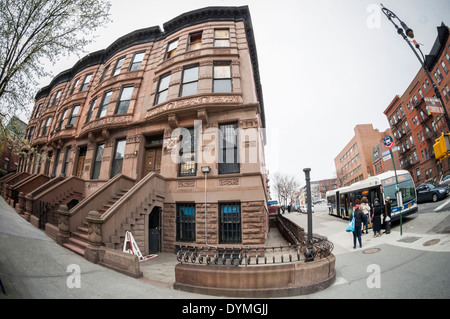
pixel 409 33
pixel 309 248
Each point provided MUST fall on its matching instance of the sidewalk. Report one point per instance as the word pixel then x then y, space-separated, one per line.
pixel 343 241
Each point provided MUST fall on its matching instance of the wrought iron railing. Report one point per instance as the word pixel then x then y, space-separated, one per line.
pixel 320 247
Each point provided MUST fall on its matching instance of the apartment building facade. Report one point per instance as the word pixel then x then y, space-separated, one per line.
pixel 416 120
pixel 180 108
pixel 354 163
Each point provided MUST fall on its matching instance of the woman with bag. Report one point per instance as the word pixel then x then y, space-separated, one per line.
pixel 359 218
pixel 377 211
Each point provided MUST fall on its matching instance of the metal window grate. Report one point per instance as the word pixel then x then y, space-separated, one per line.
pixel 230 223
pixel 185 222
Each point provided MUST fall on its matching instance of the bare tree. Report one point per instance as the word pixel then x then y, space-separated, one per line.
pixel 33 32
pixel 284 186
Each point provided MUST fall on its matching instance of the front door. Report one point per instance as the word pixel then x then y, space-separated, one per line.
pixel 152 161
pixel 154 235
pixel 80 163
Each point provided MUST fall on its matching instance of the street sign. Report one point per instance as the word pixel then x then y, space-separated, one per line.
pixel 388 142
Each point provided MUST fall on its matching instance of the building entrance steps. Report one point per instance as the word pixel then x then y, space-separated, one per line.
pixel 78 241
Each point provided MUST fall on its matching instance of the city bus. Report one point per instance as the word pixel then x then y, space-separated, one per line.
pixel 341 201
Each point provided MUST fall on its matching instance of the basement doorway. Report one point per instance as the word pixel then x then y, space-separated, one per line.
pixel 154 234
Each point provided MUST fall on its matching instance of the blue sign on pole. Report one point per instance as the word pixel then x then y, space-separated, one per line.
pixel 388 142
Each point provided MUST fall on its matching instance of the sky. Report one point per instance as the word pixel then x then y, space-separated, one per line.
pixel 325 66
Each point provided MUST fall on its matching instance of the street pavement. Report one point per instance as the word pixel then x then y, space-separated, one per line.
pixel 411 265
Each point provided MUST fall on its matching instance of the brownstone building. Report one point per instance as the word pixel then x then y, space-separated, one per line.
pixel 416 121
pixel 160 134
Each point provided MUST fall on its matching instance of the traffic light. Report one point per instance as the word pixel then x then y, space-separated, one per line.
pixel 442 146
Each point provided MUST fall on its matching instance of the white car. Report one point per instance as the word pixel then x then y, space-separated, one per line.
pixel 304 208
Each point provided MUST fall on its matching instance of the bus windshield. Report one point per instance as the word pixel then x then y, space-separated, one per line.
pixel 406 185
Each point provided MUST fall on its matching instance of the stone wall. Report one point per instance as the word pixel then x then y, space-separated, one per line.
pixel 253 225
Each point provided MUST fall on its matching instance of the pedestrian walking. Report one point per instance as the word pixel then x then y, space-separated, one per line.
pixel 359 218
pixel 365 208
pixel 377 211
pixel 387 216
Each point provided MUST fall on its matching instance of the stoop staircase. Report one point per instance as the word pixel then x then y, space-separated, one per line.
pixel 78 241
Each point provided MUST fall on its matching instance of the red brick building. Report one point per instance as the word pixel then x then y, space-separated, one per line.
pixel 415 122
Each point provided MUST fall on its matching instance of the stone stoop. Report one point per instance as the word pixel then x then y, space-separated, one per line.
pixel 78 241
pixel 133 224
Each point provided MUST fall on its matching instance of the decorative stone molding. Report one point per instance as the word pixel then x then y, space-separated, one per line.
pixel 202 115
pixel 173 121
pixel 229 181
pixel 186 184
pixel 63 225
pixel 134 139
pixel 194 101
pixel 251 123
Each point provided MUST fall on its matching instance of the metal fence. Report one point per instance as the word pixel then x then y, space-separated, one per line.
pixel 300 250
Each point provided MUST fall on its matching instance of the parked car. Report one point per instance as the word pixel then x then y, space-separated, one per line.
pixel 445 181
pixel 430 191
pixel 304 208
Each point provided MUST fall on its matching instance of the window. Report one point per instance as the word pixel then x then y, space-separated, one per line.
pixel 222 38
pixel 30 133
pixel 37 111
pixel 119 154
pixel 194 41
pixel 91 110
pixel 171 49
pixel 163 88
pixel 190 81
pixel 75 84
pixel 86 81
pixel 137 61
pixel 66 161
pixel 444 67
pixel 185 221
pixel 104 106
pixel 229 223
pixel 41 155
pixel 47 125
pixel 55 100
pixel 73 115
pixel 228 151
pixel 124 100
pixel 61 119
pixel 222 77
pixel 105 71
pixel 98 161
pixel 187 165
pixel 119 64
pixel 49 100
pixel 55 165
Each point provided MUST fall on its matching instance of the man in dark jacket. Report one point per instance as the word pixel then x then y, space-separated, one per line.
pixel 359 219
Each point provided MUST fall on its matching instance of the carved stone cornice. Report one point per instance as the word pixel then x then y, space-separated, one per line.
pixel 193 102
pixel 104 123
